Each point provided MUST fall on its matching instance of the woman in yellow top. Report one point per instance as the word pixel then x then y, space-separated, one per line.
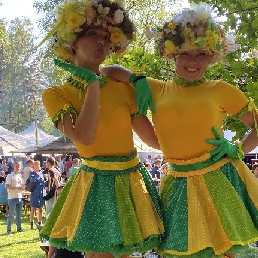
pixel 209 196
pixel 110 205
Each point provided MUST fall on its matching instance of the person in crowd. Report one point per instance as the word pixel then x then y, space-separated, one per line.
pixel 29 168
pixel 61 164
pixel 10 165
pixel 73 168
pixel 52 184
pixel 110 205
pixel 3 193
pixel 15 186
pixel 36 198
pixel 4 165
pixel 255 170
pixel 69 163
pixel 51 164
pixel 155 172
pixel 205 168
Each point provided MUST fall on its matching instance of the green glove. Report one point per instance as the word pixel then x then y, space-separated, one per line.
pixel 225 148
pixel 143 93
pixel 85 75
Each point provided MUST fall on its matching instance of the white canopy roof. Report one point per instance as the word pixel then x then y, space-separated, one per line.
pixel 43 138
pixel 11 142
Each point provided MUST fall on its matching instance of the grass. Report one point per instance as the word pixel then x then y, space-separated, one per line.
pixel 27 244
pixel 19 245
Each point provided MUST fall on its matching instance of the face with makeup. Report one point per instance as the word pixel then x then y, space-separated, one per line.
pixel 191 65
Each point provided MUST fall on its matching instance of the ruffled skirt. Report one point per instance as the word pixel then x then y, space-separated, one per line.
pixel 209 208
pixel 109 204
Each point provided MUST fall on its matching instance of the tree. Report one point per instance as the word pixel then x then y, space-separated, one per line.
pixel 20 76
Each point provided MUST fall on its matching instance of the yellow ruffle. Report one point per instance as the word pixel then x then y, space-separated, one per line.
pixel 111 165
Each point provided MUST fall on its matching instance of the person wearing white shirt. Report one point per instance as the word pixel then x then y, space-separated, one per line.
pixel 15 186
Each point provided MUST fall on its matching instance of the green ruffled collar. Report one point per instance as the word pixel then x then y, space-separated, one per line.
pixel 181 81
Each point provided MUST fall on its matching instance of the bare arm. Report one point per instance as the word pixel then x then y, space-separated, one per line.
pixel 7 186
pixel 117 72
pixel 145 130
pixel 85 126
pixel 251 140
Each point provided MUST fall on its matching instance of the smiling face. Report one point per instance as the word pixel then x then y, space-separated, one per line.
pixel 191 65
pixel 91 47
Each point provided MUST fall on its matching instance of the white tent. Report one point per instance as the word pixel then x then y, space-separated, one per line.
pixel 43 138
pixel 143 149
pixel 11 142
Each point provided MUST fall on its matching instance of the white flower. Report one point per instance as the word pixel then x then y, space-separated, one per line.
pixel 120 3
pixel 150 34
pixel 119 16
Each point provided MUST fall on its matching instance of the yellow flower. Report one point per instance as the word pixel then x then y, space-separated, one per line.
pixel 170 47
pixel 117 35
pixel 212 39
pixel 171 25
pixel 74 20
pixel 66 106
pixel 63 53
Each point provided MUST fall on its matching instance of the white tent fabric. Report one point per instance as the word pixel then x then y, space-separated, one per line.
pixel 229 135
pixel 11 142
pixel 143 149
pixel 43 138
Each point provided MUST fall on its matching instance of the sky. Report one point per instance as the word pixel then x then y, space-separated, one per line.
pixel 18 8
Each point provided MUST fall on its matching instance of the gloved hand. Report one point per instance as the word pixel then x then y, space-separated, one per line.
pixel 224 148
pixel 84 76
pixel 143 93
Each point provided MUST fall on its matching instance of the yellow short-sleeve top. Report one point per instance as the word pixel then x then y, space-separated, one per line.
pixel 185 115
pixel 117 103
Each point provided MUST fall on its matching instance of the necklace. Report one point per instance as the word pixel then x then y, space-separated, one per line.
pixel 181 81
pixel 76 83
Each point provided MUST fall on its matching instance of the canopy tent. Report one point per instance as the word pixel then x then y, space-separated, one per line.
pixel 11 142
pixel 43 138
pixel 60 145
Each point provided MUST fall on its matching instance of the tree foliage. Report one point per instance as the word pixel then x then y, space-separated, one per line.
pixel 20 75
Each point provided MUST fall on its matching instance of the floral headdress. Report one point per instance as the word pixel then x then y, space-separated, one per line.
pixel 193 28
pixel 75 16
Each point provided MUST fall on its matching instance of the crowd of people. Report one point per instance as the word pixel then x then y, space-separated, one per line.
pixel 53 173
pixel 198 202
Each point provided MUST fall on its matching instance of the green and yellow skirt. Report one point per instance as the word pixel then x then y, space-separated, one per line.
pixel 109 204
pixel 209 208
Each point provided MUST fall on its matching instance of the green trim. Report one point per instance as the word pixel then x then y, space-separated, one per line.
pixel 61 113
pixel 207 252
pixel 112 173
pixel 116 249
pixel 77 84
pixel 113 159
pixel 176 218
pixel 181 81
pixel 194 167
pixel 242 112
pixel 136 115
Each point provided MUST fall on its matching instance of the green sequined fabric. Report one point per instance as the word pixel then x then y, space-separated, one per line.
pixel 236 210
pixel 242 112
pixel 109 220
pixel 181 81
